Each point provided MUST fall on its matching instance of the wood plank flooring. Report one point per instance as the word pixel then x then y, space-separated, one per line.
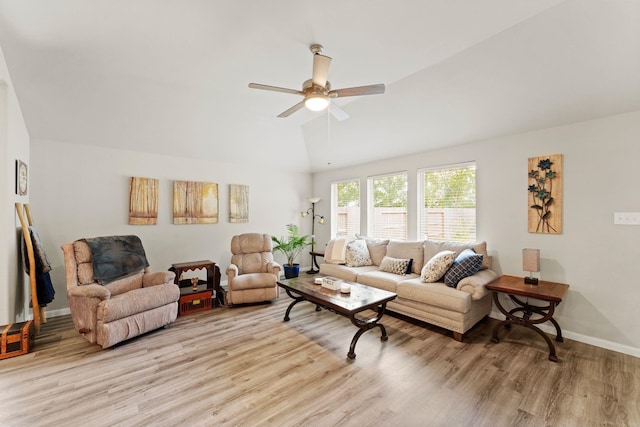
pixel 244 366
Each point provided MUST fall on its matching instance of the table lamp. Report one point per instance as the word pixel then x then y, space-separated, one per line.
pixel 531 263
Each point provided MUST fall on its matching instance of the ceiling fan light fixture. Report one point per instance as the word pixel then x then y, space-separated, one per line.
pixel 316 102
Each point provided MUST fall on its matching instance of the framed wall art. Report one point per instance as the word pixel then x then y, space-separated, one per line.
pixel 544 202
pixel 22 178
pixel 195 202
pixel 238 203
pixel 143 201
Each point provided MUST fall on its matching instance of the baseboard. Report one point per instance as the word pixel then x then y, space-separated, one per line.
pixel 609 345
pixel 58 312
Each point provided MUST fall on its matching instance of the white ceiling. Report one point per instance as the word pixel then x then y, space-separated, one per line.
pixel 170 77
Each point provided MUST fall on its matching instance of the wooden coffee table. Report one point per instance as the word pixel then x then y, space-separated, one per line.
pixel 360 298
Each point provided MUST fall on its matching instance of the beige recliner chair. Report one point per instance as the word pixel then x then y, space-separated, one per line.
pixel 119 308
pixel 253 274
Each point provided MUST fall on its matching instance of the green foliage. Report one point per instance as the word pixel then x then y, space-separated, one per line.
pixel 292 245
pixel 450 188
pixel 390 191
pixel 349 194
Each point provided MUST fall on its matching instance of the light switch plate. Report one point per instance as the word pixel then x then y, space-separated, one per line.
pixel 626 218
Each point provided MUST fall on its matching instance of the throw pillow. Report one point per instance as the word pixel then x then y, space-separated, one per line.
pixel 377 248
pixel 409 266
pixel 435 268
pixel 465 264
pixel 357 254
pixel 336 250
pixel 394 265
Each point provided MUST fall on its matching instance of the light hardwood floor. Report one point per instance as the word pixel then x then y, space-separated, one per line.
pixel 245 366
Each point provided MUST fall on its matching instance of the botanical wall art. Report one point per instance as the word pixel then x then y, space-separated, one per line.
pixel 143 201
pixel 545 194
pixel 238 203
pixel 195 202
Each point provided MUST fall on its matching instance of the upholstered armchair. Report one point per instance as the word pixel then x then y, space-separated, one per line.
pixel 252 275
pixel 123 298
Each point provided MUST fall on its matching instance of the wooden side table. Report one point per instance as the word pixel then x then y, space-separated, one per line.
pixel 193 301
pixel 314 262
pixel 213 276
pixel 514 287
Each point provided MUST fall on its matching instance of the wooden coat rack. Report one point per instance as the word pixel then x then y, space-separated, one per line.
pixel 24 213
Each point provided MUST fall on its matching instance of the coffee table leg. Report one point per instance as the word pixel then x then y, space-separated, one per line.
pixel 364 326
pixel 296 299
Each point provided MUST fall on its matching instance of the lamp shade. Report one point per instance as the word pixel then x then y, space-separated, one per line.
pixel 316 102
pixel 531 260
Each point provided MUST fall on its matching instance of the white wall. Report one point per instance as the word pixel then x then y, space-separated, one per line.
pixel 83 191
pixel 14 144
pixel 595 257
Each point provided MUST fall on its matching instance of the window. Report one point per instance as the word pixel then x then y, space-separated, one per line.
pixel 447 203
pixel 345 206
pixel 387 206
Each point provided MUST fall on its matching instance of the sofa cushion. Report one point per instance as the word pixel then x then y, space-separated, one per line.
pixel 343 272
pixel 436 294
pixel 357 254
pixel 408 250
pixel 432 247
pixel 254 281
pixel 377 248
pixel 435 268
pixel 336 250
pixel 394 265
pixel 465 264
pixel 382 279
pixel 137 301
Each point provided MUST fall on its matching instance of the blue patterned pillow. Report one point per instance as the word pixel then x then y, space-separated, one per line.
pixel 465 264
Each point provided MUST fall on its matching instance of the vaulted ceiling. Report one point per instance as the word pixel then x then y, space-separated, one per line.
pixel 170 77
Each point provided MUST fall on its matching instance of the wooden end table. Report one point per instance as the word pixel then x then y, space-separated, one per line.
pixel 213 276
pixel 314 262
pixel 514 287
pixel 192 301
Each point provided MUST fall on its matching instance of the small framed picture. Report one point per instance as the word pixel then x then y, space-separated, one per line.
pixel 22 178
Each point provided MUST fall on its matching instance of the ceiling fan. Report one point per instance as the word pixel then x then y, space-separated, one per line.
pixel 317 91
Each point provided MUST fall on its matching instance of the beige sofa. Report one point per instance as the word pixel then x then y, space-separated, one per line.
pixel 456 309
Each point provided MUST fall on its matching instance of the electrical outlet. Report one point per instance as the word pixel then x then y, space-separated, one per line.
pixel 626 218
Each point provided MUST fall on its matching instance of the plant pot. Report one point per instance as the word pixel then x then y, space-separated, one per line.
pixel 291 271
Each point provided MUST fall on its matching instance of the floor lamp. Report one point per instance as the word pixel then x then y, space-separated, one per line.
pixel 312 211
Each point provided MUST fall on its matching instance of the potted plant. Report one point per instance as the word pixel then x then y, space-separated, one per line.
pixel 291 247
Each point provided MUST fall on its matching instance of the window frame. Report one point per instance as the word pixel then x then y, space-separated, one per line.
pixel 371 212
pixel 420 202
pixel 335 206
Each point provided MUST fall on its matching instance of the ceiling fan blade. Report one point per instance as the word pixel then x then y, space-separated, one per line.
pixel 320 69
pixel 292 110
pixel 357 91
pixel 275 88
pixel 338 112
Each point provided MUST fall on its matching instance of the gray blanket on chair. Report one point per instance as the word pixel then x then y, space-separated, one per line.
pixel 115 257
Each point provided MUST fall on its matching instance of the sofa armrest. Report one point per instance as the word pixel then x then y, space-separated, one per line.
pixel 232 272
pixel 274 267
pixel 475 285
pixel 91 290
pixel 159 278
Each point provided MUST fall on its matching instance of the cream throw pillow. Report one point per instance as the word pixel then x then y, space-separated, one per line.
pixel 357 254
pixel 394 265
pixel 435 268
pixel 336 250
